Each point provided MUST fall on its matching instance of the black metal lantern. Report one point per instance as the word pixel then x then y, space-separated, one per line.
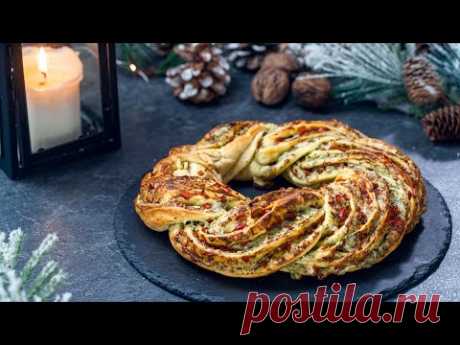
pixel 57 102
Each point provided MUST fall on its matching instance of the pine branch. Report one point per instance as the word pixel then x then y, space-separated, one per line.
pixel 363 72
pixel 21 285
pixel 9 250
pixel 172 60
pixel 446 61
pixel 370 62
pixel 37 255
pixel 137 58
pixel 143 59
pixel 45 275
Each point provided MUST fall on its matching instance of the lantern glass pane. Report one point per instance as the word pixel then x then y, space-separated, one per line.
pixel 63 92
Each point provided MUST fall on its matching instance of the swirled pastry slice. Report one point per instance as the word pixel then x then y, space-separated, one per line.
pixel 280 232
pixel 357 199
pixel 230 148
pixel 170 200
pixel 400 213
pixel 283 146
pixel 355 211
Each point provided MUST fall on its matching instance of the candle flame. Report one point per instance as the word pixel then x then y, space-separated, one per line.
pixel 42 63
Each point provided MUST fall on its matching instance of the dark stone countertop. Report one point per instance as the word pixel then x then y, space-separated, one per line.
pixel 78 200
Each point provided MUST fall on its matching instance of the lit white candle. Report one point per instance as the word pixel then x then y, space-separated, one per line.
pixel 52 79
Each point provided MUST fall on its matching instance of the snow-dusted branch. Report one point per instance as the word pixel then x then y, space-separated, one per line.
pixel 22 285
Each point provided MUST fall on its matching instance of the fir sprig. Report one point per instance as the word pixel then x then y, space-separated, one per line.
pixel 136 58
pixel 360 71
pixel 172 60
pixel 445 58
pixel 24 285
pixel 143 59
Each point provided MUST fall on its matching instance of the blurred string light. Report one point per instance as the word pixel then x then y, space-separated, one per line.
pixel 144 59
pixel 133 68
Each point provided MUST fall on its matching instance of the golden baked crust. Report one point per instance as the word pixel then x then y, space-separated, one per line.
pixel 356 199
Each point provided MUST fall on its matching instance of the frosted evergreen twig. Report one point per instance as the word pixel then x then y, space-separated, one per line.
pixel 48 289
pixel 50 269
pixel 9 250
pixel 373 62
pixel 363 71
pixel 23 285
pixel 37 255
pixel 446 60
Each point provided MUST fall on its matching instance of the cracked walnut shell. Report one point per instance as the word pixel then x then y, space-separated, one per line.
pixel 311 92
pixel 281 61
pixel 270 86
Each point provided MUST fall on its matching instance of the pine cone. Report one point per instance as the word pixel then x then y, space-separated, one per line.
pixel 270 86
pixel 421 48
pixel 443 124
pixel 423 84
pixel 311 92
pixel 247 56
pixel 203 77
pixel 193 52
pixel 297 50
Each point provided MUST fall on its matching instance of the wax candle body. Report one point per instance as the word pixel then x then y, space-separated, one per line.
pixel 53 98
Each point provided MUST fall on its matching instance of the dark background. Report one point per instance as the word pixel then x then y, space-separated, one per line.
pixel 78 200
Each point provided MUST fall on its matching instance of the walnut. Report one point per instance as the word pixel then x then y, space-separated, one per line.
pixel 270 86
pixel 281 60
pixel 311 92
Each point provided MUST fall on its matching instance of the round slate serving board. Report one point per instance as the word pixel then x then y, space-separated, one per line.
pixel 151 254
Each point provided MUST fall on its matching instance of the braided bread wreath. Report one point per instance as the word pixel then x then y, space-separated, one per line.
pixel 356 200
